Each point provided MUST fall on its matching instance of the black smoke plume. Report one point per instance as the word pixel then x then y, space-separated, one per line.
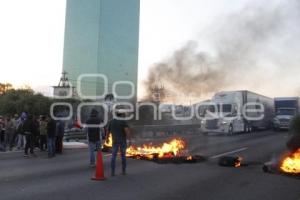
pixel 248 48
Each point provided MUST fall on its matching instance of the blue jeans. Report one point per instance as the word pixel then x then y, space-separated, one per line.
pixel 51 146
pixel 92 147
pixel 122 146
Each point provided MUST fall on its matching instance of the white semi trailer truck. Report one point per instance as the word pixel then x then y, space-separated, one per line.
pixel 238 111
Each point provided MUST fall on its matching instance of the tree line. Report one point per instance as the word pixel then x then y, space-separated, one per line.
pixel 15 101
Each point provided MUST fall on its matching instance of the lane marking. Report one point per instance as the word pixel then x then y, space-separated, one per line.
pixel 229 152
pixel 11 152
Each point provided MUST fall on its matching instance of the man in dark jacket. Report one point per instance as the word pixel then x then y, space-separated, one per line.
pixel 293 143
pixel 30 130
pixel 93 135
pixel 51 135
pixel 60 131
pixel 120 132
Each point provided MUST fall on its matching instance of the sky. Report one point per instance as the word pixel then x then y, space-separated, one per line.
pixel 32 34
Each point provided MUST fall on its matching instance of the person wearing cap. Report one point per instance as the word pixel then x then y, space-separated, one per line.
pixel 120 132
pixel 93 133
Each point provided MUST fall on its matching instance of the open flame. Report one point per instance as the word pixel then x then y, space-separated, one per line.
pixel 291 163
pixel 238 162
pixel 166 150
pixel 189 158
pixel 109 141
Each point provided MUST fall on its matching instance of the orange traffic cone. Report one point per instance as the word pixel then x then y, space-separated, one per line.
pixel 99 174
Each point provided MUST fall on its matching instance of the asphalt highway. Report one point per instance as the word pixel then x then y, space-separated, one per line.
pixel 68 176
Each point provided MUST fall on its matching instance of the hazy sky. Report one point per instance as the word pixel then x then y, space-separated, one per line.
pixel 32 32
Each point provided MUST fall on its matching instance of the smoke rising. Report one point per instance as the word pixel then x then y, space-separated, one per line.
pixel 250 49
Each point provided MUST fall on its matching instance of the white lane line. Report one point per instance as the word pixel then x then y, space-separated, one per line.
pixel 229 152
pixel 11 152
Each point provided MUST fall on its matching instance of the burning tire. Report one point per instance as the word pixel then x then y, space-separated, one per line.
pixel 179 159
pixel 228 161
pixel 173 151
pixel 288 165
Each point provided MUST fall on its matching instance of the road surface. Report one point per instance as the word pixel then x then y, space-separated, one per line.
pixel 67 176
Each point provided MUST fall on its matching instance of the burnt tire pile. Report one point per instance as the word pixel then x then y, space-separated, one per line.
pixel 273 168
pixel 228 161
pixel 170 160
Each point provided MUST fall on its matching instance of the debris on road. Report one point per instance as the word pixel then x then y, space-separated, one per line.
pixel 229 161
pixel 288 165
pixel 168 152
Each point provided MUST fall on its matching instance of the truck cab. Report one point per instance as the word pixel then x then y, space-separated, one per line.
pixel 222 114
pixel 286 108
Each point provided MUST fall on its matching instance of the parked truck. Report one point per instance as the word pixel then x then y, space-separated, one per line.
pixel 286 108
pixel 238 111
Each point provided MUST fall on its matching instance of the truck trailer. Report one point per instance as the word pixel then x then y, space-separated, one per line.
pixel 238 111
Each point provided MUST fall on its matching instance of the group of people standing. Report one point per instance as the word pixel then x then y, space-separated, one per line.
pixel 7 132
pixel 11 135
pixel 28 132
